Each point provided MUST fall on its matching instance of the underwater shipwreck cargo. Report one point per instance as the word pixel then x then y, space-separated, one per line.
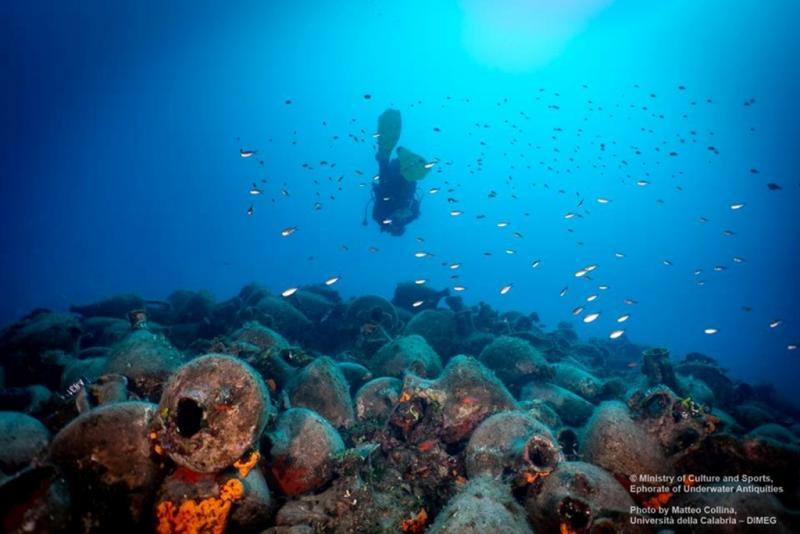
pixel 512 445
pixel 212 412
pixel 526 430
pixel 580 497
pixel 107 459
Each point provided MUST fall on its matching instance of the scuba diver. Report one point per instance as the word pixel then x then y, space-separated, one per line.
pixel 395 202
pixel 394 193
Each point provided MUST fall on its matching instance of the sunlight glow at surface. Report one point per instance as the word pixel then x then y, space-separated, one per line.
pixel 522 35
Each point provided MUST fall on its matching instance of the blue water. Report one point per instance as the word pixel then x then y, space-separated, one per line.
pixel 123 123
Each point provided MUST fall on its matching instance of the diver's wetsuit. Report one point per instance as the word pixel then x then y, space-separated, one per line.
pixel 395 198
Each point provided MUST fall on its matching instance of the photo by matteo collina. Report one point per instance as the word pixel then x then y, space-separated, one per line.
pixel 440 267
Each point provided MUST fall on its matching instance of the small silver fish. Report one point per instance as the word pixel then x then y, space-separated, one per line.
pixel 591 317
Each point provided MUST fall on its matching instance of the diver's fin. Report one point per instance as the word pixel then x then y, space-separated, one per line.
pixel 413 167
pixel 389 127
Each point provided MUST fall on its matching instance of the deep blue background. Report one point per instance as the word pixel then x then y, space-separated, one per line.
pixel 120 165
